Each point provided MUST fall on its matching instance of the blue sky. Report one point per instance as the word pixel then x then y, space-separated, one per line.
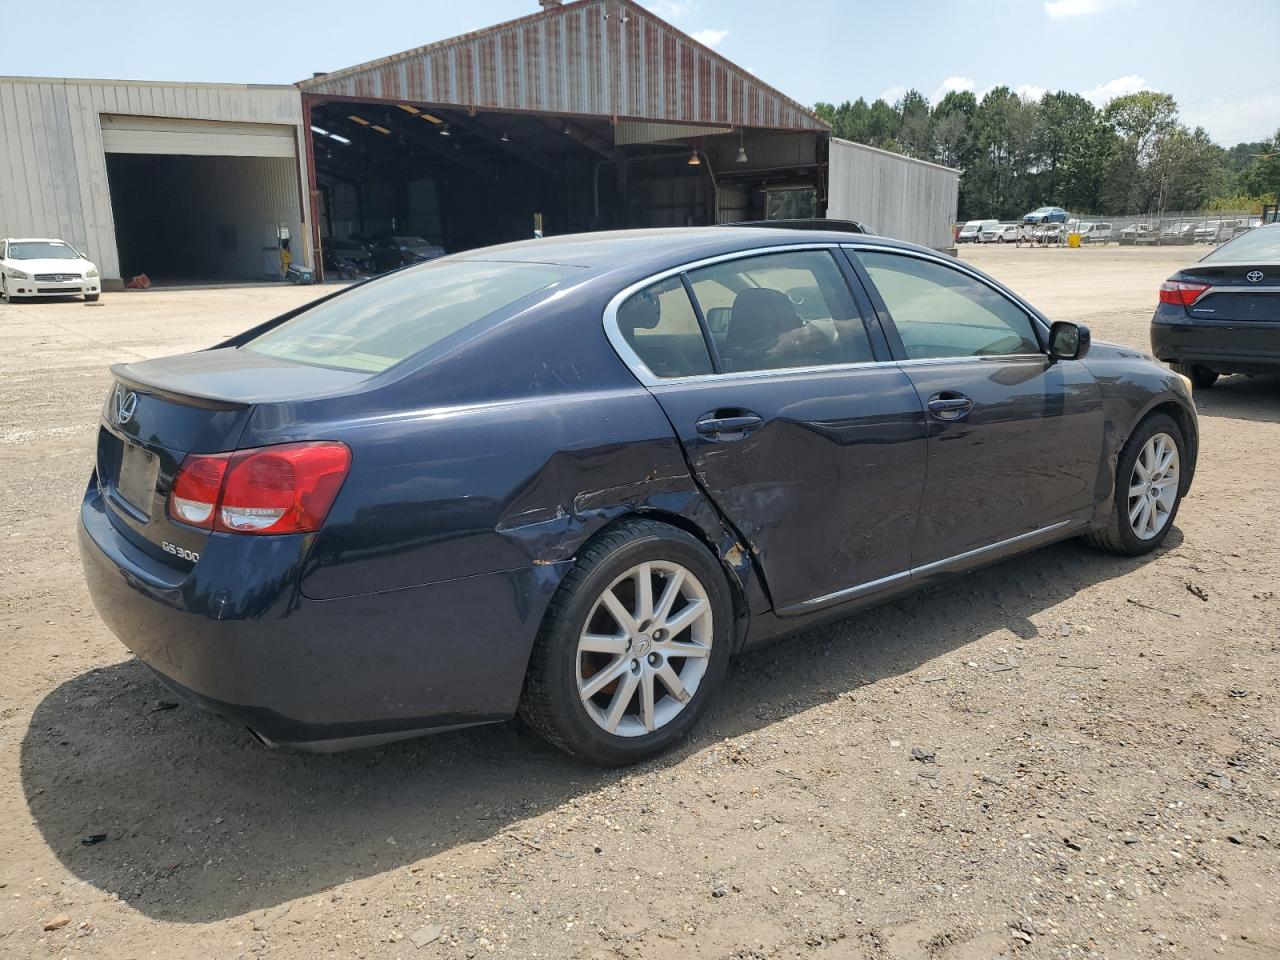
pixel 1205 55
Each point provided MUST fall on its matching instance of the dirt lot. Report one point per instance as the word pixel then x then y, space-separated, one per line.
pixel 1107 775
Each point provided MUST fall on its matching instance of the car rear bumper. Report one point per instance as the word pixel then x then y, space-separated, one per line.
pixel 236 637
pixel 1227 346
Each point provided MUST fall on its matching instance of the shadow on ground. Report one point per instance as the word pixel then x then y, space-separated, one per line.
pixel 202 823
pixel 1241 398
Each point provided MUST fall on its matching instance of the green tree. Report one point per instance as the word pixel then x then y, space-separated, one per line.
pixel 915 131
pixel 1262 176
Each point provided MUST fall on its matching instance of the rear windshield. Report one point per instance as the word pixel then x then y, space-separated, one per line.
pixel 394 317
pixel 41 250
pixel 1260 243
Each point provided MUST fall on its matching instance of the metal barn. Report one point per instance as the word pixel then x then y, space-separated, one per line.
pixel 590 115
pixel 595 114
pixel 188 182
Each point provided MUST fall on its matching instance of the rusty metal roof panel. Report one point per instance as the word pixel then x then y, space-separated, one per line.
pixel 606 58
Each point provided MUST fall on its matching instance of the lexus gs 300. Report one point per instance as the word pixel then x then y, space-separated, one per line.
pixel 570 478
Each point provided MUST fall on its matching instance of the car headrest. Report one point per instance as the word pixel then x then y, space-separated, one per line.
pixel 639 312
pixel 760 316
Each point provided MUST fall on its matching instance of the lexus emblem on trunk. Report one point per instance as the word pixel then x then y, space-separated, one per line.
pixel 1253 276
pixel 125 403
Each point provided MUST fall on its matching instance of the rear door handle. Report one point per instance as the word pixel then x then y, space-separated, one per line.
pixel 949 405
pixel 741 424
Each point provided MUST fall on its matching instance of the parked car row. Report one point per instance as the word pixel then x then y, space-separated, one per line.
pixel 1039 231
pixel 356 254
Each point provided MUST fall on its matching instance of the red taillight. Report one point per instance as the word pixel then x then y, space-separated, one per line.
pixel 1180 293
pixel 194 496
pixel 283 489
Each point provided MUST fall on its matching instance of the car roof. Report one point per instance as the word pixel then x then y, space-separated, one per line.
pixel 35 240
pixel 655 248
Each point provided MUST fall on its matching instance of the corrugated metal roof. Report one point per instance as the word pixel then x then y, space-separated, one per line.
pixel 605 58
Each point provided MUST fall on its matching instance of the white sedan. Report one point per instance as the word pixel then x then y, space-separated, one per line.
pixel 45 268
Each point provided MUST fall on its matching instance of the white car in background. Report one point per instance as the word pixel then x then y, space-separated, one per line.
pixel 970 231
pixel 1000 233
pixel 1094 232
pixel 44 267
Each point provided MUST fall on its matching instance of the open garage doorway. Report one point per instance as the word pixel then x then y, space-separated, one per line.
pixel 196 202
pixel 395 179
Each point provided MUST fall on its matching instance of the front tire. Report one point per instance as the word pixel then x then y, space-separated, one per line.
pixel 1203 377
pixel 1148 489
pixel 633 648
pixel 91 298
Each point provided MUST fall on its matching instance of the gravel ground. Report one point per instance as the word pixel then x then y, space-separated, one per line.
pixel 1102 735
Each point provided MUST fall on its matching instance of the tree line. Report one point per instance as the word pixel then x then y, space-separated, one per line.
pixel 1132 155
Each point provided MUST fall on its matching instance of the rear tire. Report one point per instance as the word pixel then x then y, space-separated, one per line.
pixel 1147 494
pixel 583 642
pixel 1202 376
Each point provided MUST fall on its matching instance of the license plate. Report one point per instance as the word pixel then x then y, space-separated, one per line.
pixel 136 484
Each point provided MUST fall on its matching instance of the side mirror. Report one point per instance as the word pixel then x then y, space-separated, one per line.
pixel 1068 341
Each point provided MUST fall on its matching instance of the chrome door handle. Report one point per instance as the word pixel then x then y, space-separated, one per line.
pixel 950 406
pixel 712 426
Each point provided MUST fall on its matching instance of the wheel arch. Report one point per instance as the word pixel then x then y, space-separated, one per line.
pixel 734 560
pixel 1187 423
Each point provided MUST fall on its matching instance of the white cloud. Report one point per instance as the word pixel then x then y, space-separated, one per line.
pixel 671 9
pixel 893 94
pixel 1078 8
pixel 710 38
pixel 1029 91
pixel 957 84
pixel 1119 87
pixel 1232 120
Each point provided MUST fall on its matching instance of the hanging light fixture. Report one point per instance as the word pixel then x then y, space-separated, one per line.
pixel 742 149
pixel 504 138
pixel 694 159
pixel 444 130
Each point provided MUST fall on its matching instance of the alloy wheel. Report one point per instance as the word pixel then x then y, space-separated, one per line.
pixel 1153 488
pixel 644 649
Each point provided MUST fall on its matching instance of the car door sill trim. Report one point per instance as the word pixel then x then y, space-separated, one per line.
pixel 936 566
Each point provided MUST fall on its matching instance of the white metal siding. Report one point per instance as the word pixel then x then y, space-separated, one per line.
pixel 53 174
pixel 895 196
pixel 198 138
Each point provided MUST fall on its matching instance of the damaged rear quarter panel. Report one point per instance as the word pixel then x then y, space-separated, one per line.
pixel 449 493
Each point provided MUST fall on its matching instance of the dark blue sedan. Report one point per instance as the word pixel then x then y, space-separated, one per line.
pixel 572 477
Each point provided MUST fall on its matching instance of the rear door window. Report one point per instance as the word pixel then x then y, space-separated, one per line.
pixel 380 323
pixel 781 310
pixel 940 312
pixel 661 326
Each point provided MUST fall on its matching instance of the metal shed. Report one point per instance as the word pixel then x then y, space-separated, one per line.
pixel 896 196
pixel 188 181
pixel 594 114
pixel 588 115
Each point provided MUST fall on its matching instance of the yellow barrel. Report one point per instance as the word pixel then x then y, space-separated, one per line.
pixel 1073 241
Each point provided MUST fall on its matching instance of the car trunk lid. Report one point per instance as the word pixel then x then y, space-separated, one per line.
pixel 1245 292
pixel 158 411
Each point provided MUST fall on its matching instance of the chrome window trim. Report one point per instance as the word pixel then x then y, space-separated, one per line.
pixel 1038 322
pixel 650 379
pixel 1258 288
pixel 862 589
